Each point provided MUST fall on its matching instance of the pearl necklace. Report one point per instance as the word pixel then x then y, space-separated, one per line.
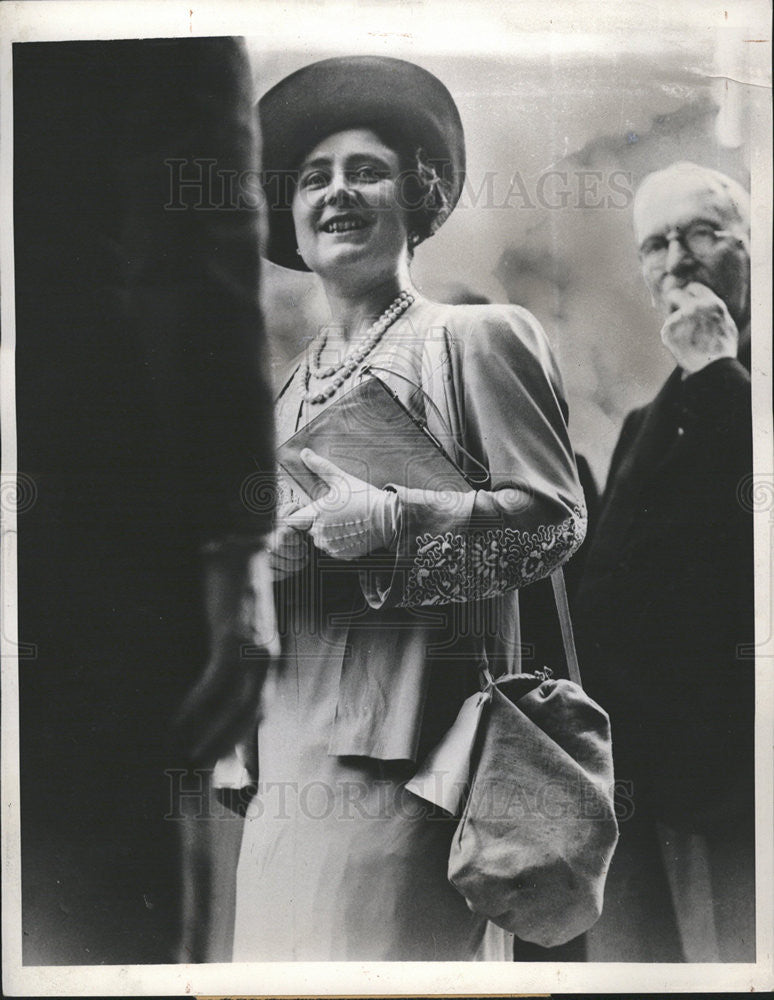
pixel 354 357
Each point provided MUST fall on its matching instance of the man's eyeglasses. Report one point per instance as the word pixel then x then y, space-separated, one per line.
pixel 698 239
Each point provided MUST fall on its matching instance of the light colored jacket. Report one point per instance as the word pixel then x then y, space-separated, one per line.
pixel 448 599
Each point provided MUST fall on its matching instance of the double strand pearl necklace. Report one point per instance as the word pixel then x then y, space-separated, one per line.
pixel 353 357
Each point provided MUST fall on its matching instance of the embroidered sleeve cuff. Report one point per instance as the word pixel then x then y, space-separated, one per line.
pixel 415 512
pixel 454 567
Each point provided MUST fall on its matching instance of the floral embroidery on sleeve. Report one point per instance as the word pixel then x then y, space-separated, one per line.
pixel 452 568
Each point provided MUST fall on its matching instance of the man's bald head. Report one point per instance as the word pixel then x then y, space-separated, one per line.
pixel 724 191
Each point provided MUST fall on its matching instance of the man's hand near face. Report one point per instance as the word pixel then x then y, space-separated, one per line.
pixel 700 330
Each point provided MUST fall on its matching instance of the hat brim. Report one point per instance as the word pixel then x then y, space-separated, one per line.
pixel 390 96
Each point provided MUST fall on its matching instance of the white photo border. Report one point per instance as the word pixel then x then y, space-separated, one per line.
pixel 432 25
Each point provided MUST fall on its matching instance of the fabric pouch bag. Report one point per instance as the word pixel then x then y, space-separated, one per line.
pixel 537 829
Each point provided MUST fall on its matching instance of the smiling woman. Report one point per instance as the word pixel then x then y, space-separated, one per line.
pixel 339 860
pixel 347 201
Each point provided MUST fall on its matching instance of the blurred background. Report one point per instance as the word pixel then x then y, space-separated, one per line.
pixel 561 125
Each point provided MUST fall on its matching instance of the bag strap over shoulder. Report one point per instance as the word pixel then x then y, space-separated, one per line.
pixel 565 623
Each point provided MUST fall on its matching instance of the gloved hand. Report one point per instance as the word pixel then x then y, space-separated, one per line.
pixel 352 519
pixel 288 547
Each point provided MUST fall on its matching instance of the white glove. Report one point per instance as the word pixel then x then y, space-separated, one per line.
pixel 352 519
pixel 288 547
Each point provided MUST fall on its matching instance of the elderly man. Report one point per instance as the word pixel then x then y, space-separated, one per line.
pixel 665 607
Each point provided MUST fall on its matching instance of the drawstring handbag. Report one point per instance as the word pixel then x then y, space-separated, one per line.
pixel 528 766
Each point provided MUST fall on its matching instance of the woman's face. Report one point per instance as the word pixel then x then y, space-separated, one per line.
pixel 346 207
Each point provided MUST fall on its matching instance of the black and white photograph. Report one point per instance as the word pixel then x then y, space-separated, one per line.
pixel 387 497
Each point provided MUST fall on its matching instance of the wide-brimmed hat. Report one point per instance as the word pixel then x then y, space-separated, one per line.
pixel 390 96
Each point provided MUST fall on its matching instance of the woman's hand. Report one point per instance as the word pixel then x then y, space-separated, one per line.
pixel 288 547
pixel 352 519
